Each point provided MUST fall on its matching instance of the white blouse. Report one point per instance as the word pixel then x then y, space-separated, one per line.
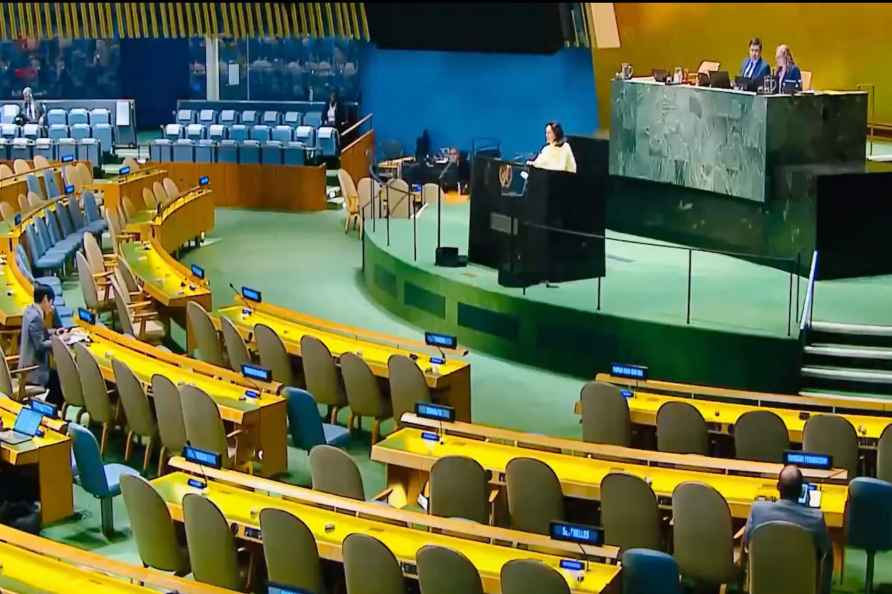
pixel 556 158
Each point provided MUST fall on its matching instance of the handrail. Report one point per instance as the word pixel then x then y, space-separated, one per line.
pixel 805 321
pixel 357 124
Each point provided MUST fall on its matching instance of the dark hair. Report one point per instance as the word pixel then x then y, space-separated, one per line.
pixel 789 482
pixel 42 292
pixel 755 41
pixel 557 130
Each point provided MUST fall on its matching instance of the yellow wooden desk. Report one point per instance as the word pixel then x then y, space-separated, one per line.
pixel 16 293
pixel 131 185
pixel 33 564
pixel 409 459
pixel 183 219
pixel 242 508
pixel 264 418
pixel 51 453
pixel 450 385
pixel 165 280
pixel 721 408
pixel 573 447
pixel 11 187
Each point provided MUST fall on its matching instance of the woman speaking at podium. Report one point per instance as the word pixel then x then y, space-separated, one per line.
pixel 556 155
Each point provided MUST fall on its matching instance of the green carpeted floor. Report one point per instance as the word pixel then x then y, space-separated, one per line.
pixel 305 262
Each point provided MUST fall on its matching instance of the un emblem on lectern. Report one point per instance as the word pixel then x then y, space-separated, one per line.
pixel 506 172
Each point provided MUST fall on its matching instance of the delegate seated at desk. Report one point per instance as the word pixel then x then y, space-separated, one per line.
pixel 556 155
pixel 787 70
pixel 754 66
pixel 34 344
pixel 456 174
pixel 788 509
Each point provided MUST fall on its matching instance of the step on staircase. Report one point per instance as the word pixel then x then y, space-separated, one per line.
pixel 848 358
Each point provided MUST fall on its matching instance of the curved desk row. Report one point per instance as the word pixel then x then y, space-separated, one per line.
pixel 51 454
pixel 450 382
pixel 331 519
pixel 263 419
pixel 721 408
pixel 30 563
pixel 132 184
pixel 11 187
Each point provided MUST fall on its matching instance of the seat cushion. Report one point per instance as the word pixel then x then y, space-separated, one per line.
pixel 335 434
pixel 113 474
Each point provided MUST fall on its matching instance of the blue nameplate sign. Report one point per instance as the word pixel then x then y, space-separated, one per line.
pixel 85 315
pixel 444 341
pixel 257 372
pixel 124 170
pixel 198 271
pixel 251 294
pixel 636 372
pixel 203 180
pixel 202 457
pixel 436 412
pixel 578 533
pixel 808 460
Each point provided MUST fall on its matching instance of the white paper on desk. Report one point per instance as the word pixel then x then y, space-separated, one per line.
pixel 74 336
pixel 233 74
pixel 122 113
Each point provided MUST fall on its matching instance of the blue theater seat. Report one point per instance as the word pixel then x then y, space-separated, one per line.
pixel 227 151
pixel 293 118
pixel 66 147
pixel 195 131
pixel 31 131
pixel 104 133
pixel 88 150
pixel 207 117
pixel 9 131
pixel 33 185
pixel 270 118
pixel 58 131
pixel 78 115
pixel 45 148
pixel 185 116
pixel 238 132
pixel 81 131
pixel 328 141
pixel 184 150
pixel 49 182
pixel 160 150
pixel 313 118
pixel 205 151
pixel 305 135
pixel 56 116
pixel 8 113
pixel 100 115
pixel 271 153
pixel 249 152
pixel 249 117
pixel 216 132
pixel 173 132
pixel 282 133
pixel 228 117
pixel 294 154
pixel 260 133
pixel 21 148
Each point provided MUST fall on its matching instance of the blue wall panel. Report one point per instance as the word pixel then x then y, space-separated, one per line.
pixel 460 95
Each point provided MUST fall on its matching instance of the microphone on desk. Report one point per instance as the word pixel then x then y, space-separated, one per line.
pixel 234 290
pixel 200 466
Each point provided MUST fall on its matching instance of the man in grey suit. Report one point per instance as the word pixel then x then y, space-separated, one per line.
pixel 788 509
pixel 34 344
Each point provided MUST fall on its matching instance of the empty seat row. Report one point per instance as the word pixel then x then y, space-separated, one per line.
pixel 240 133
pixel 271 152
pixel 249 117
pixel 77 115
pixel 103 133
pixel 83 149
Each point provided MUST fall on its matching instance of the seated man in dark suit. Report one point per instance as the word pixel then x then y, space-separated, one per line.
pixel 788 509
pixel 34 343
pixel 754 66
pixel 456 175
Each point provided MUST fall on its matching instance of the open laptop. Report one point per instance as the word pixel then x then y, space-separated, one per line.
pixel 26 426
pixel 718 79
pixel 745 83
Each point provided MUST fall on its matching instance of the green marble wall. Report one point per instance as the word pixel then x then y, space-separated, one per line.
pixel 727 142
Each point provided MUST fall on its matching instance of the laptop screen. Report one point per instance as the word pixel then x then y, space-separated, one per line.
pixel 27 422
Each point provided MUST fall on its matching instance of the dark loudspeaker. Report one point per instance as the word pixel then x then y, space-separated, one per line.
pixel 535 27
pixel 449 257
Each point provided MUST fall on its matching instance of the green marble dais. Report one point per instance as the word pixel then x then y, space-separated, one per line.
pixel 728 142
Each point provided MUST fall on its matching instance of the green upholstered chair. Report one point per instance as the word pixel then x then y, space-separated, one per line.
pixel 649 572
pixel 69 377
pixel 138 411
pixel 681 429
pixel 629 513
pixel 364 394
pixel 321 375
pixel 212 551
pixel 868 521
pixel 884 455
pixel 306 428
pixel 236 350
pixel 96 393
pixel 152 527
pixel 292 558
pixel 762 436
pixel 407 385
pixel 528 576
pixel 169 411
pixel 333 471
pixel 703 537
pixel 605 415
pixel 444 571
pixel 274 356
pixel 459 488
pixel 370 567
pixel 204 425
pixel 833 435
pixel 203 335
pixel 534 495
pixel 782 560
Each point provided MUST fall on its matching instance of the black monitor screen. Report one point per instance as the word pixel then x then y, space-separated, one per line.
pixel 444 341
pixel 578 533
pixel 437 412
pixel 202 457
